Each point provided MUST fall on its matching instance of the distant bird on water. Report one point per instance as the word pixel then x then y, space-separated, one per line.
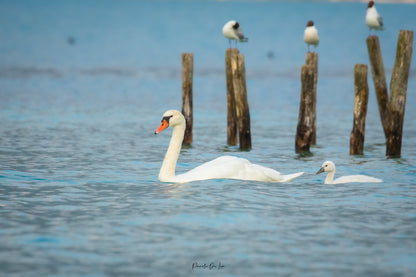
pixel 311 36
pixel 372 18
pixel 232 31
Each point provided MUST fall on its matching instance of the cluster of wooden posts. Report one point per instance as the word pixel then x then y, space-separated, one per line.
pixel 391 110
pixel 391 107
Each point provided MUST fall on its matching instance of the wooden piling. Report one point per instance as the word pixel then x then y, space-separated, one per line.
pixel 379 79
pixel 231 109
pixel 305 120
pixel 392 110
pixel 398 91
pixel 312 59
pixel 240 94
pixel 187 101
pixel 360 109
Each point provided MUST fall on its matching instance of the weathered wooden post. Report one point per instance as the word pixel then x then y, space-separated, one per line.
pixel 398 91
pixel 379 79
pixel 240 93
pixel 360 109
pixel 187 102
pixel 305 120
pixel 312 59
pixel 392 110
pixel 231 109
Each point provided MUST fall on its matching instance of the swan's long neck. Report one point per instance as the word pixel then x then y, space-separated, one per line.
pixel 167 171
pixel 330 177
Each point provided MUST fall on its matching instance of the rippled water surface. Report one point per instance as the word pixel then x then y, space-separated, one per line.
pixel 83 86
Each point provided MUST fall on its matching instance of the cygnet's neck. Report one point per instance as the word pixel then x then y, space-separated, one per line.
pixel 330 177
pixel 167 171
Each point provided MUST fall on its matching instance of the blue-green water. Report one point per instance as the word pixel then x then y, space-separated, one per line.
pixel 83 86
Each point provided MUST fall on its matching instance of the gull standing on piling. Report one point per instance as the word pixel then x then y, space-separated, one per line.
pixel 311 36
pixel 372 18
pixel 232 31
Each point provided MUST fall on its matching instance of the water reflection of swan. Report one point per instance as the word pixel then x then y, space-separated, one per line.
pixel 329 167
pixel 224 167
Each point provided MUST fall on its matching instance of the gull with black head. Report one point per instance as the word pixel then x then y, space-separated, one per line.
pixel 311 36
pixel 372 18
pixel 232 31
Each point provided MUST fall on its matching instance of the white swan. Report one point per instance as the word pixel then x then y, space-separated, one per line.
pixel 311 36
pixel 224 167
pixel 372 18
pixel 329 167
pixel 232 31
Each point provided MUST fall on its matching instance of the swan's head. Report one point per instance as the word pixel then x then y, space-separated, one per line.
pixel 327 166
pixel 170 118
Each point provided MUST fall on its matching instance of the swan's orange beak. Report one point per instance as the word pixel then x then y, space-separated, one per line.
pixel 162 126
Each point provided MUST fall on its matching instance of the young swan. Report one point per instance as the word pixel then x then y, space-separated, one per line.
pixel 311 36
pixel 232 31
pixel 372 18
pixel 329 167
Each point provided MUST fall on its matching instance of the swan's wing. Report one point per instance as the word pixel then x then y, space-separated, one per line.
pixel 290 177
pixel 224 167
pixel 356 179
pixel 266 174
pixel 229 167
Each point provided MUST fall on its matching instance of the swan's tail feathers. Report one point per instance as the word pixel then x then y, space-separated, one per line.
pixel 291 177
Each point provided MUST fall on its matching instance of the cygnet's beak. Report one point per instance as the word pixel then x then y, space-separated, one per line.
pixel 320 170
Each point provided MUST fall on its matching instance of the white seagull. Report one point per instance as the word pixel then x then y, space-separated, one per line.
pixel 232 31
pixel 372 18
pixel 311 36
pixel 329 167
pixel 224 167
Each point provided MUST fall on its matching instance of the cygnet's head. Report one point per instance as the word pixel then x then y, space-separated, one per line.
pixel 170 118
pixel 327 166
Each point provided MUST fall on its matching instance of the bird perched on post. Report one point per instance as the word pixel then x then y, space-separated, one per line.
pixel 232 31
pixel 372 18
pixel 311 36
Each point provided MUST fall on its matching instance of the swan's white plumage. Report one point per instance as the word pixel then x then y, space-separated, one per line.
pixel 224 167
pixel 329 167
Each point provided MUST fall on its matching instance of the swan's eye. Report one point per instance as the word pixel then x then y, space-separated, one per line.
pixel 166 119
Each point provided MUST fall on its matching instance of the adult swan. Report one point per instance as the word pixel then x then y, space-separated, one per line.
pixel 224 167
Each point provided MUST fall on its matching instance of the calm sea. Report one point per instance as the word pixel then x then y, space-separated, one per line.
pixel 83 86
